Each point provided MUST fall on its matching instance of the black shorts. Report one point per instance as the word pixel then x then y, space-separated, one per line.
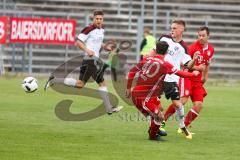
pixel 171 90
pixel 91 68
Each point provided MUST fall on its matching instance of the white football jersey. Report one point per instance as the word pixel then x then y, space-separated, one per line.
pixel 93 38
pixel 177 55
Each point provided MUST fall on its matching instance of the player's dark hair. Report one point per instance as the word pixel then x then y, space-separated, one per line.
pixel 180 22
pixel 161 47
pixel 98 12
pixel 204 28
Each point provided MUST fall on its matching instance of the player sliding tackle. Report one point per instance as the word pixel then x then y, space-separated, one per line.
pixel 152 71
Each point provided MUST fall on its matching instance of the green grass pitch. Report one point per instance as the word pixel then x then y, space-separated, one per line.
pixel 30 130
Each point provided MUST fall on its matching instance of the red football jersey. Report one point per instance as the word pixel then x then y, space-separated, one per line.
pixel 203 58
pixel 151 72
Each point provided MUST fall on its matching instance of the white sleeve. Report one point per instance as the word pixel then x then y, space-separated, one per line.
pixel 163 39
pixel 186 58
pixel 83 37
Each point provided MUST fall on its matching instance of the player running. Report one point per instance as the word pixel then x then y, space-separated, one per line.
pixel 151 73
pixel 90 40
pixel 193 87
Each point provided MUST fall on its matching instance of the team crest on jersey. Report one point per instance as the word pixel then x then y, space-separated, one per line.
pixel 208 53
pixel 176 48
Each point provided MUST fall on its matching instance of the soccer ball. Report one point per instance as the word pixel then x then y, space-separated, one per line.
pixel 30 84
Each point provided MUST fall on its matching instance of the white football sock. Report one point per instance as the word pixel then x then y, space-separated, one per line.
pixel 180 116
pixel 104 94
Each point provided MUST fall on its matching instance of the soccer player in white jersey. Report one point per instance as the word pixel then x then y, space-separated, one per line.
pixel 177 55
pixel 90 40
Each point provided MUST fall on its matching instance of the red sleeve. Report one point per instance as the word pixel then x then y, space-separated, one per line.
pixel 184 74
pixel 212 52
pixel 209 55
pixel 132 73
pixel 171 70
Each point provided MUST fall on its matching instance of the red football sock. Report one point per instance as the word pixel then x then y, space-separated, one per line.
pixel 170 111
pixel 154 128
pixel 191 115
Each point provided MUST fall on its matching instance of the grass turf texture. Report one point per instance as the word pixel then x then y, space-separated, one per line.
pixel 30 130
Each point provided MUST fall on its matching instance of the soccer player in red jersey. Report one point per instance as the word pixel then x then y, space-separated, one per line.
pixel 151 73
pixel 193 87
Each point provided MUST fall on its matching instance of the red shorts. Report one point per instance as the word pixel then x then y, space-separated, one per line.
pixel 193 89
pixel 145 105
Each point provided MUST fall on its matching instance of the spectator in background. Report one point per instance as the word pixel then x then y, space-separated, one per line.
pixel 148 43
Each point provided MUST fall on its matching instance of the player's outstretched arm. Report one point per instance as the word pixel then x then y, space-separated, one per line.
pixel 201 67
pixel 172 70
pixel 131 75
pixel 186 74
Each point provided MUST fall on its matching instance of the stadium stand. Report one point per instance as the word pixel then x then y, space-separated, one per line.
pixel 221 16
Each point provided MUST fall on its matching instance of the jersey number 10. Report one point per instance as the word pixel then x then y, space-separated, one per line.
pixel 147 69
